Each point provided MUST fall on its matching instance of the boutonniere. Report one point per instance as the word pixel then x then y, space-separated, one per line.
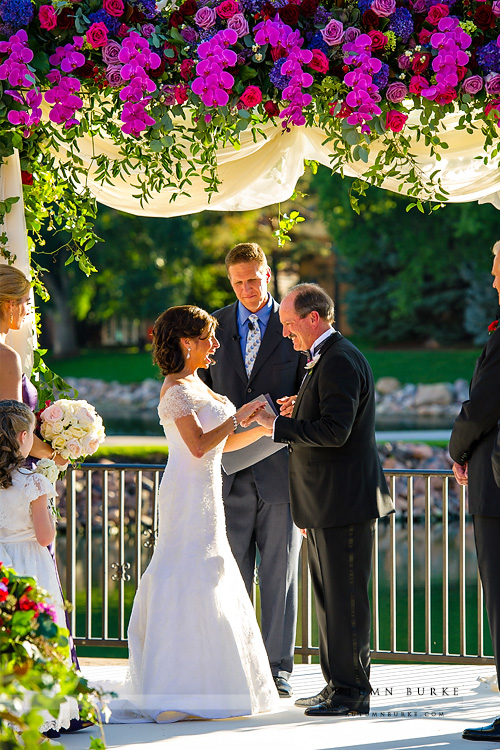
pixel 314 361
pixel 491 328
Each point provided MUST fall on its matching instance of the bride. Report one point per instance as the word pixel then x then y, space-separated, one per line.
pixel 194 643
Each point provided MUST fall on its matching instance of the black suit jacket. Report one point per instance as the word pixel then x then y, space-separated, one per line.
pixel 336 477
pixel 278 370
pixel 475 430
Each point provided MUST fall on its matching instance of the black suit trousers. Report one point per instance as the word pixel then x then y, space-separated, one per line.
pixel 340 559
pixel 487 538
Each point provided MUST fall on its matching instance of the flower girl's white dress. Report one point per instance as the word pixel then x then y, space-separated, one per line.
pixel 20 550
pixel 194 643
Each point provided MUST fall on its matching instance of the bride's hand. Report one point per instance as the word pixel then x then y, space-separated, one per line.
pixel 60 462
pixel 246 415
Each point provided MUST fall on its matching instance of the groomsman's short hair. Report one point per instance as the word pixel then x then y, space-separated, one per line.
pixel 496 248
pixel 246 252
pixel 309 297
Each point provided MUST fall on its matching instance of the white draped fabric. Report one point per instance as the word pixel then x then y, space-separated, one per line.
pixel 265 171
pixel 14 226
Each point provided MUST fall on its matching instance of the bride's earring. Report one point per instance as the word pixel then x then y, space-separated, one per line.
pixel 188 354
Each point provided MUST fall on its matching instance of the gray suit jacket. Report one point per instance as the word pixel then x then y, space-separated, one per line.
pixel 278 370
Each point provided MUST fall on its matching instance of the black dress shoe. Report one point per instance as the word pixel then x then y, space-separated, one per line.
pixel 491 733
pixel 315 699
pixel 51 734
pixel 333 707
pixel 283 687
pixel 76 725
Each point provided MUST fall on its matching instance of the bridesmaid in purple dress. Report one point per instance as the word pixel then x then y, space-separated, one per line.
pixel 14 308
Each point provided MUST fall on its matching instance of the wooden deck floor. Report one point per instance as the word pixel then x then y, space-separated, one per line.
pixel 414 707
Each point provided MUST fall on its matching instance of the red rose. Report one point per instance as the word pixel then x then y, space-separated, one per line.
pixel 370 19
pixel 175 19
pixel 158 72
pixel 227 9
pixel 188 8
pixel 461 71
pixel 26 179
pixel 425 36
pixel 115 8
pixel 446 96
pixel 171 60
pixel 319 61
pixel 278 52
pixel 251 96
pixel 483 17
pixel 417 83
pixel 136 17
pixel 436 13
pixel 309 7
pixel 186 70
pixel 66 19
pixel 493 326
pixel 420 62
pixel 289 14
pixel 97 35
pixel 395 120
pixel 268 10
pixel 379 40
pixel 343 112
pixel 271 109
pixel 86 70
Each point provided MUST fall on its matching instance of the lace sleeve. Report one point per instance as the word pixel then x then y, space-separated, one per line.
pixel 36 485
pixel 176 402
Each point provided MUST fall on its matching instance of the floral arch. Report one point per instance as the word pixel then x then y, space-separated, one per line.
pixel 164 108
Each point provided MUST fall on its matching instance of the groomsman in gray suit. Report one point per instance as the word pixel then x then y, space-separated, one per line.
pixel 254 358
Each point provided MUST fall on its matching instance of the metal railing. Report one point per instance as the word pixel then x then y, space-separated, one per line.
pixel 427 600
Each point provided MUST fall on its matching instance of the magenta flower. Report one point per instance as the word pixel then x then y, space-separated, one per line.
pixel 333 33
pixel 384 8
pixel 239 24
pixel 47 17
pixel 205 18
pixel 97 35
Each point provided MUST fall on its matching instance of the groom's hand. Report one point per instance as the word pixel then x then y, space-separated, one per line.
pixel 461 474
pixel 286 405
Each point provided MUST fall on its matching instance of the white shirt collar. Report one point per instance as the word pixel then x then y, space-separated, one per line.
pixel 320 339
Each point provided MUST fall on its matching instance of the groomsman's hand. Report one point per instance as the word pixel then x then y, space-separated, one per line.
pixel 286 405
pixel 460 473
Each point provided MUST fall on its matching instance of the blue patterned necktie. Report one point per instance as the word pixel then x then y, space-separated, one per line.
pixel 253 342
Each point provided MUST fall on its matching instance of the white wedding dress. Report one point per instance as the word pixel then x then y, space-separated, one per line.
pixel 194 642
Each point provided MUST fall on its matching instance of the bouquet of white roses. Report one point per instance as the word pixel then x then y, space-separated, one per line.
pixel 73 428
pixel 48 468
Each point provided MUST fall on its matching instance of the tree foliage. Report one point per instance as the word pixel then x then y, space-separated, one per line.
pixel 411 275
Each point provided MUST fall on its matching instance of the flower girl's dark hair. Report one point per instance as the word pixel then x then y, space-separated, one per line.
pixel 15 417
pixel 183 321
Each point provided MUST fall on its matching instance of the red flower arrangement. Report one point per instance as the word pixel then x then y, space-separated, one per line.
pixel 493 326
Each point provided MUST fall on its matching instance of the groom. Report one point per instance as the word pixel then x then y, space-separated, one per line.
pixel 337 490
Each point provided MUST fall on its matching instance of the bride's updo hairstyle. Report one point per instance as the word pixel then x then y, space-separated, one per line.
pixel 176 323
pixel 15 417
pixel 13 284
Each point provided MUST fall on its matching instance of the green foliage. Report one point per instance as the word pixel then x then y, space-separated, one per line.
pixel 34 674
pixel 407 273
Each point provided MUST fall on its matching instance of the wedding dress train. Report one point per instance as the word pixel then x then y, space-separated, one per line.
pixel 194 643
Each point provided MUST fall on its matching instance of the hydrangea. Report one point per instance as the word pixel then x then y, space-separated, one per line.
pixel 276 77
pixel 402 24
pixel 364 5
pixel 488 57
pixel 381 79
pixel 252 6
pixel 111 23
pixel 16 13
pixel 148 7
pixel 321 17
pixel 317 42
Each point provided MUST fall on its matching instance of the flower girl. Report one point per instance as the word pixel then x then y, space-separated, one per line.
pixel 26 521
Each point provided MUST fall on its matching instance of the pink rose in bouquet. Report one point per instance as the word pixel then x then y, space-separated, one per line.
pixel 97 35
pixel 251 96
pixel 395 120
pixel 73 428
pixel 115 8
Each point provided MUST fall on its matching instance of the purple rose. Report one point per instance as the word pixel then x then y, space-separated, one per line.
pixel 110 52
pixel 333 32
pixel 384 8
pixel 352 33
pixel 205 18
pixel 114 76
pixel 168 93
pixel 189 34
pixel 148 30
pixel 239 24
pixel 404 62
pixel 495 8
pixel 472 85
pixel 419 6
pixel 492 83
pixel 396 92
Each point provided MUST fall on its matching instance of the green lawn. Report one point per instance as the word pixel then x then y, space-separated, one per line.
pixel 408 365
